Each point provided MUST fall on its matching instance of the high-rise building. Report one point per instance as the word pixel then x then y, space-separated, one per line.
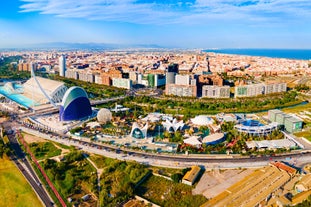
pixel 62 65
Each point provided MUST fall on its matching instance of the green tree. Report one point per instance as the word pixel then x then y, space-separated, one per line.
pixel 176 177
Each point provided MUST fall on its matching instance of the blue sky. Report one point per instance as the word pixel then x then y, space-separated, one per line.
pixel 170 23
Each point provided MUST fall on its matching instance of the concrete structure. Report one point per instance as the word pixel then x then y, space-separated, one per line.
pixel 216 91
pixel 62 65
pixel 122 83
pixel 191 176
pixel 54 89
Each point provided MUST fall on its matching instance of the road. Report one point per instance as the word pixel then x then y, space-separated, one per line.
pixel 24 166
pixel 165 160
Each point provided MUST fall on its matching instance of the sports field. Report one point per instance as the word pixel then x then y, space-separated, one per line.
pixel 15 191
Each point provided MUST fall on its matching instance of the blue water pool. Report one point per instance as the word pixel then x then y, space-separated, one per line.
pixel 18 98
pixel 252 123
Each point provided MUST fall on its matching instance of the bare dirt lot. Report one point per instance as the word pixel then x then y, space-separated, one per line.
pixel 216 181
pixel 31 138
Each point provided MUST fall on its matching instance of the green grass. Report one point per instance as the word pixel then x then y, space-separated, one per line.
pixel 43 150
pixel 100 161
pixel 15 190
pixel 169 194
pixel 64 146
pixel 298 109
pixel 305 134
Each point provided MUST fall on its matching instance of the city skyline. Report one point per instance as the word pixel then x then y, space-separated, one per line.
pixel 178 24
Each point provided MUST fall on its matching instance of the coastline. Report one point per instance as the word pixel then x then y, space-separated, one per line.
pixel 295 54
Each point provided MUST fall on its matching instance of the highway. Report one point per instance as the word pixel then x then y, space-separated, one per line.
pixel 24 166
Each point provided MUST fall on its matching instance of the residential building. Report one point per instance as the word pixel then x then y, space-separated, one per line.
pixel 249 90
pixel 122 83
pixel 216 91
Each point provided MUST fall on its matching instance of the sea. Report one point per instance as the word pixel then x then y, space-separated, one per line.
pixel 298 54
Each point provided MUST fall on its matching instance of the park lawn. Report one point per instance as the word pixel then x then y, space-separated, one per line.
pixel 64 146
pixel 15 190
pixel 166 193
pixel 44 150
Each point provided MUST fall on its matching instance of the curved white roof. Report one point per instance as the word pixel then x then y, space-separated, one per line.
pixel 47 84
pixel 194 140
pixel 202 120
pixel 174 124
pixel 72 93
pixel 54 89
pixel 213 137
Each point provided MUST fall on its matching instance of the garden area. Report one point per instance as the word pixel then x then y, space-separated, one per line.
pixel 118 179
pixel 167 193
pixel 73 177
pixel 192 106
pixel 44 150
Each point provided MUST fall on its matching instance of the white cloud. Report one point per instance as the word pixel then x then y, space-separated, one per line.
pixel 175 12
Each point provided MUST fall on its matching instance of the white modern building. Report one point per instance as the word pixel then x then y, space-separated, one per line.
pixel 54 89
pixel 173 126
pixel 259 130
pixel 138 132
pixel 271 144
pixel 193 141
pixel 202 120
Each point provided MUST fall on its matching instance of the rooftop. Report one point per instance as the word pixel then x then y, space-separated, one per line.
pixel 192 174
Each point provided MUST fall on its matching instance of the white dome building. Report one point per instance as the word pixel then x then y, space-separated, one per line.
pixel 202 120
pixel 104 116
